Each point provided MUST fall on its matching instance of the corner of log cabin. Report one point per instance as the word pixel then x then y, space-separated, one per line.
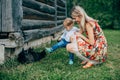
pixel 29 20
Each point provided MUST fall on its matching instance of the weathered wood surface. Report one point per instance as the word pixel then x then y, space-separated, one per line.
pixel 39 33
pixel 59 8
pixel 49 2
pixel 17 14
pixel 34 14
pixel 7 16
pixel 2 54
pixel 10 15
pixel 31 19
pixel 37 24
pixel 0 16
pixel 39 6
pixel 60 13
pixel 31 15
pixel 55 5
pixel 60 22
pixel 61 17
pixel 61 2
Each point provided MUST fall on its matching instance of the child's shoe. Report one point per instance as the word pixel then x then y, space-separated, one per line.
pixel 70 62
pixel 49 50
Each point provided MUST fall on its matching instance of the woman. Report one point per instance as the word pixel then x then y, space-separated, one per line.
pixel 92 48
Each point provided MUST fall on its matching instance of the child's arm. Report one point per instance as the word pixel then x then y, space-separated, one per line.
pixel 60 37
pixel 72 39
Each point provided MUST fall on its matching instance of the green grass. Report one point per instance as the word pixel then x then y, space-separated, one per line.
pixel 55 66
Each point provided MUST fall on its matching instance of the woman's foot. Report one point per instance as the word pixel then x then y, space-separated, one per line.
pixel 83 62
pixel 88 65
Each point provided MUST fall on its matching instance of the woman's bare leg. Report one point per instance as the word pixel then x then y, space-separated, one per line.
pixel 73 49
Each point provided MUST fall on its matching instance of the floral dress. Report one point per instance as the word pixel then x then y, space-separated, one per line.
pixel 96 52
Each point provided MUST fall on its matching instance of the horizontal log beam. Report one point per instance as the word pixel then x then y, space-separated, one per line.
pixel 39 6
pixel 61 17
pixel 60 22
pixel 0 16
pixel 40 33
pixel 36 24
pixel 61 13
pixel 49 2
pixel 61 2
pixel 34 14
pixel 59 8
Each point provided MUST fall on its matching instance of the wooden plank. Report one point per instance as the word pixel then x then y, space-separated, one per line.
pixel 36 24
pixel 61 3
pixel 59 22
pixel 59 8
pixel 61 17
pixel 49 2
pixel 61 13
pixel 55 5
pixel 17 13
pixel 34 14
pixel 7 16
pixel 39 6
pixel 39 33
pixel 0 16
pixel 65 8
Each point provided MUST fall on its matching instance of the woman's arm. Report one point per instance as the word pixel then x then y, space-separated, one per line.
pixel 89 28
pixel 90 38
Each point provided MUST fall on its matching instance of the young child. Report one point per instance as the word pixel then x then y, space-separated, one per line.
pixel 65 38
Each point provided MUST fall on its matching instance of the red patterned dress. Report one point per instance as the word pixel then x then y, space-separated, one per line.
pixel 96 52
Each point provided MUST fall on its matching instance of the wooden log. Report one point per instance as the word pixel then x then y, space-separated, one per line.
pixel 39 33
pixel 36 24
pixel 65 9
pixel 39 6
pixel 59 8
pixel 61 17
pixel 61 3
pixel 0 16
pixel 34 14
pixel 59 22
pixel 6 16
pixel 11 13
pixel 61 13
pixel 55 5
pixel 49 2
pixel 17 13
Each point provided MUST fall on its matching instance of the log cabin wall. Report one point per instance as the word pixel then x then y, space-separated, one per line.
pixel 24 21
pixel 42 18
pixel 33 19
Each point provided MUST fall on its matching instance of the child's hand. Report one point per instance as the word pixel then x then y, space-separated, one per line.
pixel 59 39
pixel 72 38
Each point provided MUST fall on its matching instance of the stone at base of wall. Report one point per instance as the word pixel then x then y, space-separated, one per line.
pixel 37 42
pixel 2 58
pixel 10 52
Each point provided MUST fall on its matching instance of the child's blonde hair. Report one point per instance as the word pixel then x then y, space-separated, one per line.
pixel 68 22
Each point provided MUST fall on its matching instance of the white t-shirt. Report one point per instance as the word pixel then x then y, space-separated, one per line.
pixel 67 34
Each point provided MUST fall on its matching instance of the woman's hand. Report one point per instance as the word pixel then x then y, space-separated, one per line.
pixel 90 38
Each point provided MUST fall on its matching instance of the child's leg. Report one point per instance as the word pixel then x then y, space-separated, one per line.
pixel 56 46
pixel 71 58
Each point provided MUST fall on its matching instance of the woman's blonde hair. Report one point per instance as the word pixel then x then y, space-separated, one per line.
pixel 78 11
